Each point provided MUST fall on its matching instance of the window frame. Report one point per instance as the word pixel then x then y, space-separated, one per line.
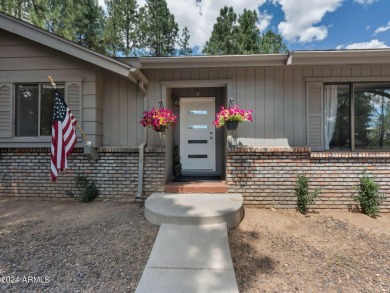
pixel 40 86
pixel 352 111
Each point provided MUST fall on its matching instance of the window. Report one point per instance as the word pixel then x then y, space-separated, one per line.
pixel 337 117
pixel 357 116
pixel 34 108
pixel 372 116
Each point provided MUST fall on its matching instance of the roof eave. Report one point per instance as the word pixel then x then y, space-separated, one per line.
pixel 339 57
pixel 220 61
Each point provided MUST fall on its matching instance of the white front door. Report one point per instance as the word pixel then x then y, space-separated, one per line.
pixel 197 135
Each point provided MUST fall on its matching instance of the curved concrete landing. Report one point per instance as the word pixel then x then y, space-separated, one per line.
pixel 194 209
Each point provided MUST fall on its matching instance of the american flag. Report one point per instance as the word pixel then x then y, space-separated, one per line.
pixel 63 136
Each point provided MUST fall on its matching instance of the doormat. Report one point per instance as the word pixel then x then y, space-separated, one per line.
pixel 196 178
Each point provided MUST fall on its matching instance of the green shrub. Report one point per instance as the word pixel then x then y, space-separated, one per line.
pixel 86 191
pixel 368 195
pixel 304 197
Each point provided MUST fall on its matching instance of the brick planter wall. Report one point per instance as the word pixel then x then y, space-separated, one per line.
pixel 26 173
pixel 266 177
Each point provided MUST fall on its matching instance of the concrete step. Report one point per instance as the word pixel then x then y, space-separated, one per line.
pixel 194 209
pixel 196 187
pixel 189 259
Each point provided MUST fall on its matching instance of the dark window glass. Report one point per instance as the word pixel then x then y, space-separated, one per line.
pixel 337 99
pixel 372 116
pixel 27 98
pixel 47 104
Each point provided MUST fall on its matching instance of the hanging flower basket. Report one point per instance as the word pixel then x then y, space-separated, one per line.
pixel 231 117
pixel 158 119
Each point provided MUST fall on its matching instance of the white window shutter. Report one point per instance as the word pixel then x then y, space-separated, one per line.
pixel 73 98
pixel 5 110
pixel 314 110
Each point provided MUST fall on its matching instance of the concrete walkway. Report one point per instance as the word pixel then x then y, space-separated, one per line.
pixel 193 256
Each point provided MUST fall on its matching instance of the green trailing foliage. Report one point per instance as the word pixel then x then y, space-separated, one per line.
pixel 86 191
pixel 304 197
pixel 368 196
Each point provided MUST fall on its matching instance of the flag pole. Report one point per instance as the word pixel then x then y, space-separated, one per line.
pixel 82 132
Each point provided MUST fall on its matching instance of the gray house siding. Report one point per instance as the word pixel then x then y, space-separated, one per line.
pixel 24 61
pixel 275 94
pixel 123 105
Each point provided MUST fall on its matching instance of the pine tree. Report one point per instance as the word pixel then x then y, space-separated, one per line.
pixel 185 49
pixel 90 25
pixel 121 31
pixel 223 38
pixel 248 36
pixel 16 8
pixel 272 43
pixel 158 29
pixel 80 21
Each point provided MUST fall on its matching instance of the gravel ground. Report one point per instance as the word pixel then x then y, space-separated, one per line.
pixel 104 247
pixel 72 247
pixel 283 251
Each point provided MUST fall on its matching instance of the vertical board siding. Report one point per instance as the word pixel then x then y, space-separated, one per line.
pixel 132 119
pixel 123 116
pixel 336 71
pixel 114 129
pixel 276 96
pixel 385 70
pixel 139 108
pixel 346 71
pixel 241 96
pixel 259 112
pixel 250 96
pixel 269 107
pixel 176 74
pixel 356 71
pixel 376 71
pixel 203 74
pixel 299 113
pixel 107 110
pixel 232 75
pixel 279 106
pixel 123 106
pixel 222 74
pixel 326 71
pixel 185 75
pixel 288 104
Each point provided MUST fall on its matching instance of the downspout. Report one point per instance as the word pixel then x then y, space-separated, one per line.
pixel 142 145
pixel 142 82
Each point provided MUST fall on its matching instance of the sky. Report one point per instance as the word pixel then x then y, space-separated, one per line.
pixel 303 24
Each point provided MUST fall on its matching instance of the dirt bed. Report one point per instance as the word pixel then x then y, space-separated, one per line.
pixel 72 247
pixel 104 247
pixel 284 251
